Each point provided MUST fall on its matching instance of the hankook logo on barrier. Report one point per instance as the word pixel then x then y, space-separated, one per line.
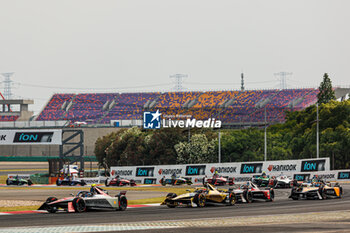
pixel 247 168
pixel 326 176
pixel 169 171
pixel 343 175
pixel 313 165
pixel 145 171
pixel 121 172
pixel 223 169
pixel 289 167
pixel 195 170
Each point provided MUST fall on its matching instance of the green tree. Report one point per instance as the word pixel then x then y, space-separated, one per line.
pixel 160 145
pixel 242 145
pixel 198 150
pixel 326 92
pixel 102 144
pixel 127 149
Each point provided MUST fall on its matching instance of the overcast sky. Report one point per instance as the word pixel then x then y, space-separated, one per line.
pixel 135 45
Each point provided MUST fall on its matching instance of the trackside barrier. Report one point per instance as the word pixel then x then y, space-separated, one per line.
pixel 242 171
pixel 20 176
pixel 95 180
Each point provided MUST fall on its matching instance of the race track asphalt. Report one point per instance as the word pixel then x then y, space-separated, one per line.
pixel 150 214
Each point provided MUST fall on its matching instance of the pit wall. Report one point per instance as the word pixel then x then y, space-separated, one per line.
pixel 242 171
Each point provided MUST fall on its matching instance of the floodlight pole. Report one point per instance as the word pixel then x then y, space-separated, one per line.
pixel 265 140
pixel 317 134
pixel 219 141
pixel 219 146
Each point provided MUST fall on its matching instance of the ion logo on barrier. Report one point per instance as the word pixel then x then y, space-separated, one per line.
pixel 28 137
pixel 151 120
pixel 195 170
pixel 313 165
pixel 144 171
pixel 301 177
pixel 343 175
pixel 150 181
pixel 251 168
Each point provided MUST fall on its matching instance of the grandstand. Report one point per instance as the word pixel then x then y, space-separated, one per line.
pixel 230 106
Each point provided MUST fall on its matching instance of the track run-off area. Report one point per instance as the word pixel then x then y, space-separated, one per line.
pixel 282 215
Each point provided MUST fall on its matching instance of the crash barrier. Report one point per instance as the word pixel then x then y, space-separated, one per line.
pixel 20 176
pixel 40 178
pixel 241 171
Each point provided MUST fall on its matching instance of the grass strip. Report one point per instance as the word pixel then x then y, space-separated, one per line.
pixel 18 208
pixel 130 202
pixel 3 179
pixel 23 170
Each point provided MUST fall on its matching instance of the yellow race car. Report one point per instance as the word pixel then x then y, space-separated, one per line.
pixel 200 197
pixel 316 190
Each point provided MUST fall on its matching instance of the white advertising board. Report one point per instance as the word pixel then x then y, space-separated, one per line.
pixel 241 171
pixel 30 137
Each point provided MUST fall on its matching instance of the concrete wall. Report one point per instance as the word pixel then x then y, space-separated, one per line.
pixel 90 137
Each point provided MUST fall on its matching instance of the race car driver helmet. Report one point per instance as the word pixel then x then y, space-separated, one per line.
pixel 263 174
pixel 92 189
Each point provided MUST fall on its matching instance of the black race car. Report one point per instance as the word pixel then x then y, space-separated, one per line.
pixel 118 181
pixel 96 198
pixel 176 181
pixel 70 182
pixel 249 192
pixel 18 181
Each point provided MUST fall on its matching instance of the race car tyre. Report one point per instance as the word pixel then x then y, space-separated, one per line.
pixel 107 183
pixel 274 184
pixel 294 196
pixel 82 183
pixel 272 195
pixel 231 181
pixel 340 191
pixel 30 182
pixel 232 199
pixel 248 196
pixel 322 193
pixel 79 205
pixel 7 182
pixel 199 199
pixel 51 209
pixel 58 183
pixel 170 205
pixel 123 203
pixel 132 183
